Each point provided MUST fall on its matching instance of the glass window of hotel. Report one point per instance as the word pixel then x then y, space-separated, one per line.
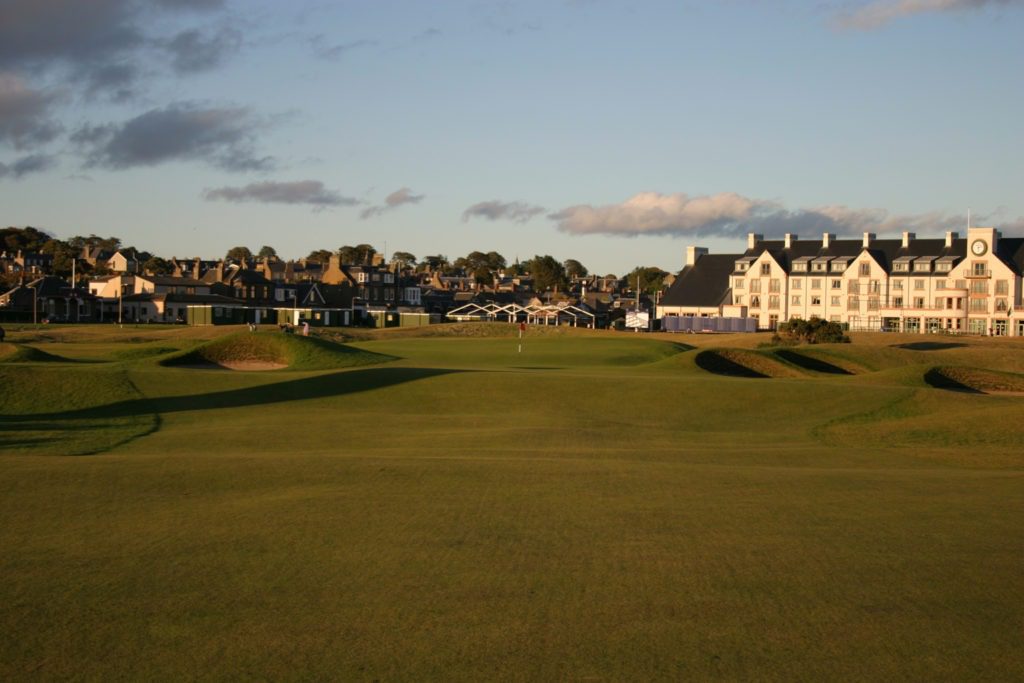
pixel 853 286
pixel 815 300
pixel 922 266
pixel 873 303
pixel 837 284
pixel 819 266
pixel 755 302
pixel 816 283
pixel 943 266
pixel 865 269
pixel 961 284
pixel 979 287
pixel 918 302
pixel 766 269
pixel 897 302
pixel 897 285
pixel 1001 305
pixel 838 266
pixel 755 285
pixel 940 284
pixel 1002 287
pixel 738 299
pixel 835 300
pixel 979 305
pixel 980 268
pixel 773 285
pixel 918 284
pixel 773 301
pixel 795 300
pixel 799 267
pixel 798 284
pixel 939 301
pixel 740 282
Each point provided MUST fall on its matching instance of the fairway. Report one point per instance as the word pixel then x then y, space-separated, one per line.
pixel 439 504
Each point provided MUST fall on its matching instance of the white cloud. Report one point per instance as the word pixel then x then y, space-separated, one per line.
pixel 880 12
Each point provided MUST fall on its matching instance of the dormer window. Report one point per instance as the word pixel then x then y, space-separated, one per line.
pixel 922 266
pixel 766 269
pixel 838 266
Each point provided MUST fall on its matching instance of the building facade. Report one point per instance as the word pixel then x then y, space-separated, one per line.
pixel 966 285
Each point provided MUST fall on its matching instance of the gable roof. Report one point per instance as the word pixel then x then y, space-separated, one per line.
pixel 705 283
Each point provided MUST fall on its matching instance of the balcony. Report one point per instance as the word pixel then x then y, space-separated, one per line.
pixel 975 273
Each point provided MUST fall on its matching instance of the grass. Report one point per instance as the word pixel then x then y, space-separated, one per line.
pixel 597 506
pixel 285 350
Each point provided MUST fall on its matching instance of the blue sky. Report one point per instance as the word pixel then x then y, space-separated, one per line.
pixel 616 133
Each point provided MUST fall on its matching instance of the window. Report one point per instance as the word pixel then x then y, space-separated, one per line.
pixel 979 287
pixel 897 302
pixel 773 285
pixel 773 301
pixel 939 301
pixel 918 284
pixel 837 284
pixel 838 266
pixel 800 267
pixel 872 303
pixel 922 266
pixel 1001 305
pixel 961 284
pixel 865 269
pixel 798 284
pixel 918 302
pixel 1002 287
pixel 738 300
pixel 979 305
pixel 874 287
pixel 979 269
pixel 816 283
pixel 740 283
pixel 755 302
pixel 853 287
pixel 766 269
pixel 815 300
pixel 836 300
pixel 900 267
pixel 360 277
pixel 943 267
pixel 795 300
pixel 897 285
pixel 819 267
pixel 755 285
pixel 940 284
pixel 853 303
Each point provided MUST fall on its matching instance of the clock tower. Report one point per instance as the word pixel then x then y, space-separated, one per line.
pixel 981 242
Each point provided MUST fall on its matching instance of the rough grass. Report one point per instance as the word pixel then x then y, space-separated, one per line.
pixel 594 507
pixel 742 363
pixel 291 351
pixel 974 379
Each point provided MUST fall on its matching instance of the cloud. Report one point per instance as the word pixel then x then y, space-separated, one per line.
pixel 33 163
pixel 25 120
pixel 193 51
pixel 518 212
pixel 310 192
pixel 338 50
pixel 730 215
pixel 183 131
pixel 393 201
pixel 97 45
pixel 880 12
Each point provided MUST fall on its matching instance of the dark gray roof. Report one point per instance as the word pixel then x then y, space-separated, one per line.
pixel 705 283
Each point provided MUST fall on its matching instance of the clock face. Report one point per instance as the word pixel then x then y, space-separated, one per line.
pixel 978 247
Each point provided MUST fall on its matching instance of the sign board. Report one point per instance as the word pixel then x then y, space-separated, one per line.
pixel 637 320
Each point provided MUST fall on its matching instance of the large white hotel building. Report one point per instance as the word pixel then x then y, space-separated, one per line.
pixel 967 286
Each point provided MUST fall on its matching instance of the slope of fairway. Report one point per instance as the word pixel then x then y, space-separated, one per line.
pixel 978 380
pixel 23 353
pixel 273 350
pixel 744 363
pixel 53 410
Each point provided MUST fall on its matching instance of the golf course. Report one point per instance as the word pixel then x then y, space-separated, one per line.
pixel 450 502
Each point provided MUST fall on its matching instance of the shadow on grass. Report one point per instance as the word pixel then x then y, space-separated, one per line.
pixel 320 386
pixel 929 346
pixel 939 380
pixel 809 363
pixel 716 363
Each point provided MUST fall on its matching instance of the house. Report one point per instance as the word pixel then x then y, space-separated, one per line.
pixel 967 285
pixel 48 299
pixel 124 261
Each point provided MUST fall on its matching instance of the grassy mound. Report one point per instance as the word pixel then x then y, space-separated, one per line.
pixel 742 363
pixel 275 349
pixel 807 362
pixel 145 352
pixel 20 353
pixel 974 380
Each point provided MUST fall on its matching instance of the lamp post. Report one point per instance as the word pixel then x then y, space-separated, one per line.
pixel 35 315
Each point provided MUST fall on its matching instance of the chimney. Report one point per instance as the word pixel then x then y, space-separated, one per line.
pixel 907 237
pixel 790 238
pixel 752 239
pixel 868 236
pixel 950 236
pixel 694 253
pixel 826 240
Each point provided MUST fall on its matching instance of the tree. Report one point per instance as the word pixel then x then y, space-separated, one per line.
pixel 547 272
pixel 359 255
pixel 403 259
pixel 110 244
pixel 320 256
pixel 267 252
pixel 27 239
pixel 238 254
pixel 155 265
pixel 651 278
pixel 435 263
pixel 63 254
pixel 574 268
pixel 480 266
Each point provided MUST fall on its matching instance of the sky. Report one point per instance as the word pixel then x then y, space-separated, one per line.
pixel 615 133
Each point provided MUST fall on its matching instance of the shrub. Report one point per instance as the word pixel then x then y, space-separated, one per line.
pixel 811 331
